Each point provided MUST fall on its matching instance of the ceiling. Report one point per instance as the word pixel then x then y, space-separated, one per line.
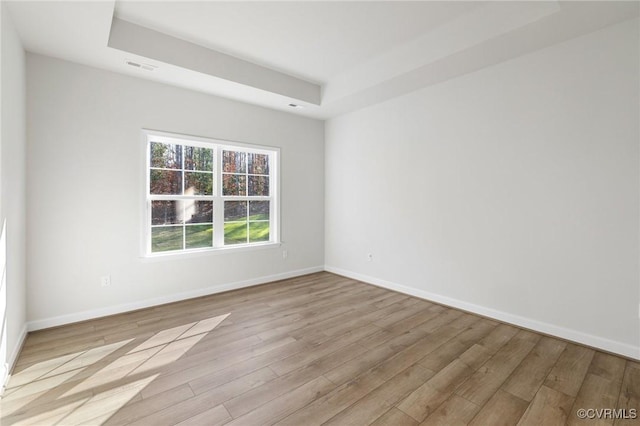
pixel 314 41
pixel 327 58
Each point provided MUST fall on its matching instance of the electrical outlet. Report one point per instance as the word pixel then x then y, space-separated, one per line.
pixel 369 257
pixel 105 280
pixel 285 254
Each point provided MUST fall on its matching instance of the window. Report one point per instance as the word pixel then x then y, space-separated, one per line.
pixel 206 194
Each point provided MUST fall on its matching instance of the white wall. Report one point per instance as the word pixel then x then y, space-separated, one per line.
pixel 85 191
pixel 12 182
pixel 512 191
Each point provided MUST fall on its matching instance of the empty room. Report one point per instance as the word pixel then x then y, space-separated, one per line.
pixel 320 213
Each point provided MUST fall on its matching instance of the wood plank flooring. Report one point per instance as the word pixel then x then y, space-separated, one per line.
pixel 318 349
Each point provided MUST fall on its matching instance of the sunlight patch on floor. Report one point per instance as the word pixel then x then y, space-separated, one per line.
pixel 180 332
pixel 92 385
pixel 62 364
pixel 53 416
pixel 162 338
pixel 30 392
pixel 105 404
pixel 116 370
pixel 170 353
pixel 90 357
pixel 204 326
pixel 37 371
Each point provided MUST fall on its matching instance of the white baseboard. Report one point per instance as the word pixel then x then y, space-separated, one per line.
pixel 620 348
pixel 126 307
pixel 13 356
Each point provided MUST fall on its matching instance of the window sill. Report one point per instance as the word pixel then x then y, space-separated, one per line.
pixel 160 257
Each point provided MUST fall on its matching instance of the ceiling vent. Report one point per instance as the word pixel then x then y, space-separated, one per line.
pixel 145 67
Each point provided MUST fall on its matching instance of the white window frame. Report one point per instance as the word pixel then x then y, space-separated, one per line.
pixel 218 199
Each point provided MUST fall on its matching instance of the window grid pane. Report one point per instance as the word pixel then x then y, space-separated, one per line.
pixel 167 238
pixel 165 156
pixel 234 185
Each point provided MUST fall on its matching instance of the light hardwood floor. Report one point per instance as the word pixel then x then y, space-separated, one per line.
pixel 318 349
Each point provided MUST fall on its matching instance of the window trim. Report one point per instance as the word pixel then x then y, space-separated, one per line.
pixel 218 199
